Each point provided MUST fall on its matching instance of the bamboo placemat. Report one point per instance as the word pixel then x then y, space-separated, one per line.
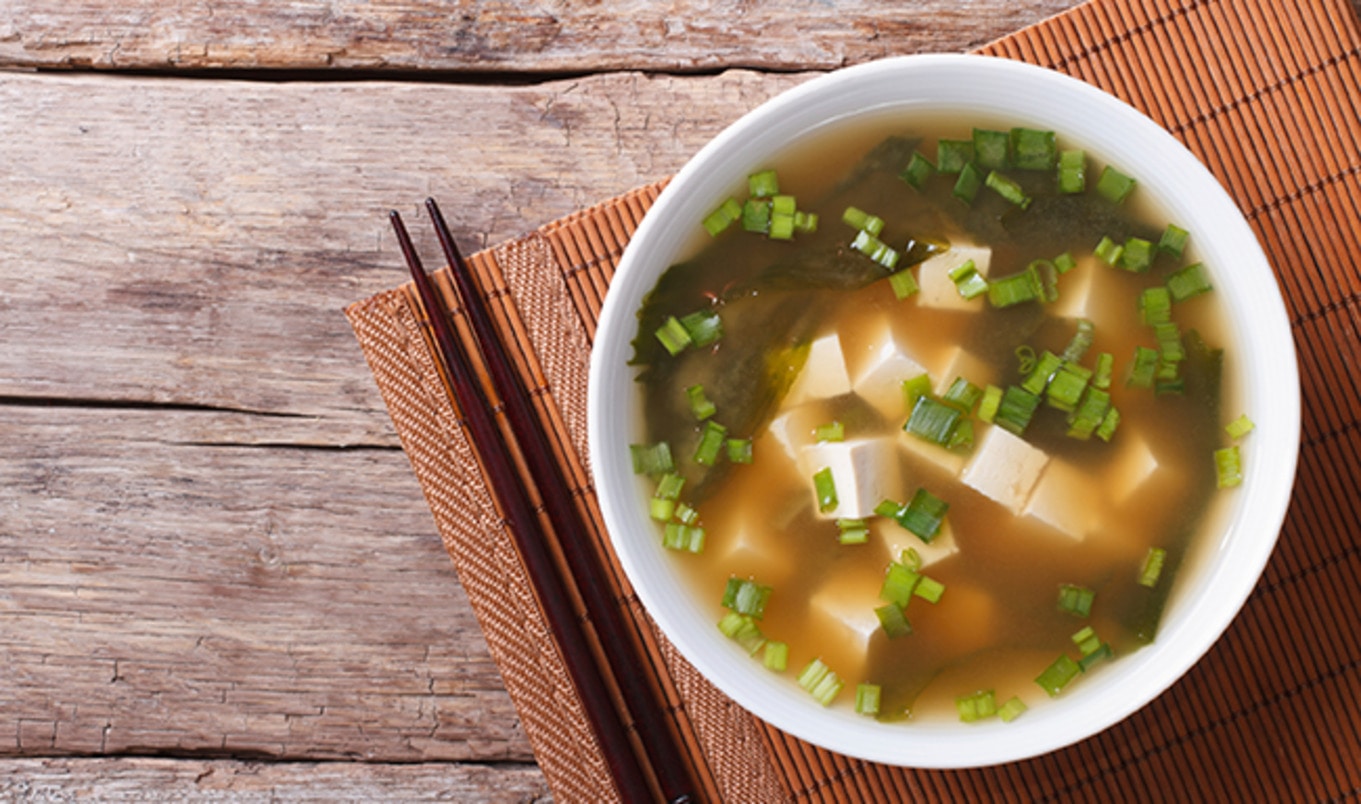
pixel 1266 94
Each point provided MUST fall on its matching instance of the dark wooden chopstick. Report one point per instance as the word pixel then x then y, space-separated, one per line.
pixel 629 776
pixel 648 714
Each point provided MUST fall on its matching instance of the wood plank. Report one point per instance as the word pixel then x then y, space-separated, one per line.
pixel 497 37
pixel 157 780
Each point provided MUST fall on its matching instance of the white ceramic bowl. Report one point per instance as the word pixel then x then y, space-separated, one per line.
pixel 1208 594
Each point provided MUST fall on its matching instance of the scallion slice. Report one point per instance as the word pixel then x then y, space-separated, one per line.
pixel 776 656
pixel 1239 427
pixel 876 249
pixel 1102 651
pixel 700 405
pixel 1152 568
pixel 824 486
pixel 718 221
pixel 893 619
pixel 669 486
pixel 743 630
pixel 1109 424
pixel 1012 709
pixel 1058 675
pixel 1067 387
pixel 962 394
pixel 1046 366
pixel 820 681
pixel 1143 367
pixel 673 336
pixel 1072 172
pixel 987 406
pixel 831 431
pixel 1086 640
pixel 740 450
pixel 1174 240
pixel 1228 467
pixel 763 184
pixel 953 155
pixel 932 420
pixel 1064 263
pixel 756 215
pixel 899 583
pixel 1018 406
pixel 1113 185
pixel 1137 255
pixel 661 509
pixel 904 284
pixel 651 459
pixel 919 169
pixel 859 219
pixel 990 148
pixel 711 443
pixel 682 537
pixel 1155 306
pixel 1007 188
pixel 966 186
pixel 968 281
pixel 1188 282
pixel 929 589
pixel 1032 149
pixel 1081 342
pixel 867 699
pixel 703 326
pixel 746 596
pixel 1109 251
pixel 1022 286
pixel 1105 368
pixel 686 514
pixel 1090 412
pixel 1076 600
pixel 852 531
pixel 976 706
pixel 924 514
pixel 915 388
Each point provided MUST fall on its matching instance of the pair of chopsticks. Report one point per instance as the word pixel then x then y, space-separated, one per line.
pixel 660 759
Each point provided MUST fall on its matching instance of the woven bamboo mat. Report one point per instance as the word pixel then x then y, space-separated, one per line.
pixel 1265 92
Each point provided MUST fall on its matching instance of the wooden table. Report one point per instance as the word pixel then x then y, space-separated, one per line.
pixel 217 573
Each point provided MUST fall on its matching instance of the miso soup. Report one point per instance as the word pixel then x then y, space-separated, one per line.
pixel 935 416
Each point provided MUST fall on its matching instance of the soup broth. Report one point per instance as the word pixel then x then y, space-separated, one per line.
pixel 813 333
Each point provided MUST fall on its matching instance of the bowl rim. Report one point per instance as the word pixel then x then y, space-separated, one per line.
pixel 1237 557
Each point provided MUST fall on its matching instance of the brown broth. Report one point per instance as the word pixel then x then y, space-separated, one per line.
pixel 997 626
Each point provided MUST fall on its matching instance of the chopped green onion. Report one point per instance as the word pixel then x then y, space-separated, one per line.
pixel 859 219
pixel 1064 263
pixel 1072 172
pixel 953 155
pixel 962 394
pixel 852 531
pixel 831 431
pixel 783 205
pixel 1106 430
pixel 1152 567
pixel 1025 357
pixel 918 170
pixel 756 215
pixel 977 706
pixel 1113 185
pixel 929 589
pixel 1019 287
pixel 1239 427
pixel 679 536
pixel 743 630
pixel 1174 240
pixel 776 656
pixel 1008 189
pixel 1058 675
pixel 651 459
pixel 806 222
pixel 1109 251
pixel 703 326
pixel 924 515
pixel 674 336
pixel 932 420
pixel 968 281
pixel 1143 368
pixel 899 583
pixel 876 249
pixel 825 487
pixel 961 440
pixel 739 450
pixel 1016 409
pixel 987 406
pixel 1170 347
pixel 1048 278
pixel 990 148
pixel 910 558
pixel 745 596
pixel 685 514
pixel 1033 150
pixel 1089 414
pixel 867 699
pixel 904 284
pixel 781 227
pixel 1081 342
pixel 1137 255
pixel 1045 368
pixel 764 184
pixel 1076 600
pixel 966 186
pixel 718 221
pixel 669 486
pixel 916 388
pixel 820 681
pixel 711 442
pixel 1189 281
pixel 1086 640
pixel 700 405
pixel 1105 367
pixel 893 620
pixel 1228 467
pixel 1155 306
pixel 1103 651
pixel 1012 709
pixel 1067 387
pixel 661 509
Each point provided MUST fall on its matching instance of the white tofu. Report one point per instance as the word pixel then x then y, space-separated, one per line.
pixel 864 470
pixel 1066 499
pixel 1133 466
pixel 795 428
pixel 1075 290
pixel 921 452
pixel 964 364
pixel 879 379
pixel 938 290
pixel 894 539
pixel 1004 468
pixel 824 374
pixel 748 550
pixel 842 610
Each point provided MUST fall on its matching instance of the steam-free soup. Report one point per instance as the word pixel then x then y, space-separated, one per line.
pixel 1036 360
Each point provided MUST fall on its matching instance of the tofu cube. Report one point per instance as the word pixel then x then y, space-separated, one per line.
pixel 894 539
pixel 751 549
pixel 1066 499
pixel 841 611
pixel 938 290
pixel 864 470
pixel 1004 468
pixel 1133 466
pixel 795 428
pixel 824 374
pixel 879 379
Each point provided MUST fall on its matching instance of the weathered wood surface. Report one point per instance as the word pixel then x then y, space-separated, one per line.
pixel 480 37
pixel 211 548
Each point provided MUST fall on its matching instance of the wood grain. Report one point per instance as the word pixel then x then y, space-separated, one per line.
pixel 496 37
